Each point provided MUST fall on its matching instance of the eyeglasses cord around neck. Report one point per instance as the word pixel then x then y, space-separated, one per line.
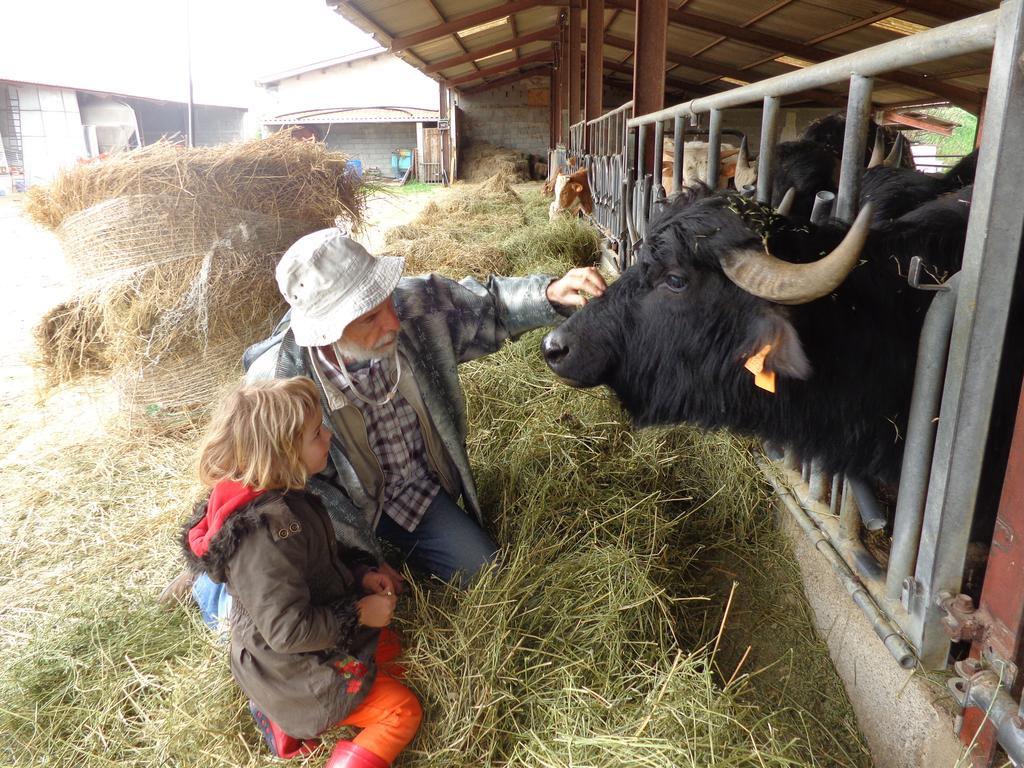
pixel 352 385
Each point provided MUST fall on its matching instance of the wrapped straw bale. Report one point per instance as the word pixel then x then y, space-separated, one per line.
pixel 173 252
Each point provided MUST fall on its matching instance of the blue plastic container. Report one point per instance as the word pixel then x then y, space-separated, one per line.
pixel 401 161
pixel 357 165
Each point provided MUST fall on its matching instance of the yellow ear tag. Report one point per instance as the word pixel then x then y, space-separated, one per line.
pixel 755 364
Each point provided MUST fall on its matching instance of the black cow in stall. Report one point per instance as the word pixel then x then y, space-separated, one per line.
pixel 725 288
pixel 897 191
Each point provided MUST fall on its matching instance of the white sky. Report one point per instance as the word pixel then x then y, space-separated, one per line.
pixel 138 47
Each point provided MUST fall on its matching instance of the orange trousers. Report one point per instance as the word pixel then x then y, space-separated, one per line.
pixel 390 713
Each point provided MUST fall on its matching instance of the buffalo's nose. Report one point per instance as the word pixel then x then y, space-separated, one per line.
pixel 554 348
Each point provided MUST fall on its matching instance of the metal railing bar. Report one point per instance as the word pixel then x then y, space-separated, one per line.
pixel 714 147
pixel 858 112
pixel 933 349
pixel 769 134
pixel 971 35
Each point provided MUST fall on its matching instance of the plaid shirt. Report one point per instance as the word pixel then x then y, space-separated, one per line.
pixel 394 435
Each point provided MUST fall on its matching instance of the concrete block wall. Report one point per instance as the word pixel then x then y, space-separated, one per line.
pixel 370 143
pixel 503 117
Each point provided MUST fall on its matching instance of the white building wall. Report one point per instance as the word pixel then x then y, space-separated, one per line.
pixel 377 81
pixel 51 131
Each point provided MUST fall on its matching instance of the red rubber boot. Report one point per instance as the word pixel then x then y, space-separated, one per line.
pixel 347 754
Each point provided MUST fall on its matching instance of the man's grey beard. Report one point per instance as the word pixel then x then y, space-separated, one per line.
pixel 356 353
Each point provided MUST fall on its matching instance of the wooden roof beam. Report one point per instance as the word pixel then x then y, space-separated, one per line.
pixel 462 23
pixel 551 34
pixel 963 96
pixel 545 57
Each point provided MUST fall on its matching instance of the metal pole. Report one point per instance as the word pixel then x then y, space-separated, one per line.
pixel 649 61
pixel 882 626
pixel 190 109
pixel 988 693
pixel 987 280
pixel 971 35
pixel 769 131
pixel 933 349
pixel 858 112
pixel 677 155
pixel 714 147
pixel 822 206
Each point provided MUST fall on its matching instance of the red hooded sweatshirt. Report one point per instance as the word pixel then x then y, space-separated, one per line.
pixel 226 498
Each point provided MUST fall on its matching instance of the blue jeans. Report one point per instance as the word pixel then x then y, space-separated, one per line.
pixel 445 543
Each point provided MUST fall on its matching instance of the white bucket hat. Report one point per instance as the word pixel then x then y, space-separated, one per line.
pixel 329 280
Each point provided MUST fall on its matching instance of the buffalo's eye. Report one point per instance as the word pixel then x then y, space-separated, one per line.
pixel 674 282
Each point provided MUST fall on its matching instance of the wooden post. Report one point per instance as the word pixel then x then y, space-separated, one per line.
pixel 563 79
pixel 649 66
pixel 575 78
pixel 594 102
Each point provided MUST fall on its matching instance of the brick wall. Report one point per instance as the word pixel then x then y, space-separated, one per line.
pixel 502 117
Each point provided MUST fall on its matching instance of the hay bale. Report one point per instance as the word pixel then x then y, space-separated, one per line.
pixel 176 248
pixel 276 176
pixel 482 160
pixel 69 341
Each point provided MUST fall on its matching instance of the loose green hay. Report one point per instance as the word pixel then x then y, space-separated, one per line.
pixel 600 639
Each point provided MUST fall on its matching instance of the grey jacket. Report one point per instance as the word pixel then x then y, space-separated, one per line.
pixel 443 323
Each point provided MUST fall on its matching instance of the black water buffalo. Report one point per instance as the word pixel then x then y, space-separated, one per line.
pixel 896 191
pixel 723 283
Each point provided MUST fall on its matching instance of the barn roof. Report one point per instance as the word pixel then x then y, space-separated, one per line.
pixel 355 115
pixel 713 45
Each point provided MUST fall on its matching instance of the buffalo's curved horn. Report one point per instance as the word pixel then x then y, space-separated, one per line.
pixel 786 206
pixel 895 156
pixel 783 282
pixel 878 151
pixel 743 157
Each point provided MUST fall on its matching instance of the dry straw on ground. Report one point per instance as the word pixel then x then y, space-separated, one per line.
pixel 599 639
pixel 481 160
pixel 173 252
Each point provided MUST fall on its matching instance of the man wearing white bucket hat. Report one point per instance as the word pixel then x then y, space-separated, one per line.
pixel 384 351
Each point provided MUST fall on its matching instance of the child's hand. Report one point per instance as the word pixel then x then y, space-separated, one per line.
pixel 397 580
pixel 377 582
pixel 376 610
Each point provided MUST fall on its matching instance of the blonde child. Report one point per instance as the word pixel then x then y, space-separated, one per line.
pixel 309 643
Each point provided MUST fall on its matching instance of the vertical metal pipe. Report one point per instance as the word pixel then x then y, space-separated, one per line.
pixel 858 112
pixel 677 154
pixel 933 349
pixel 818 482
pixel 822 206
pixel 659 153
pixel 641 152
pixel 849 516
pixel 870 512
pixel 769 130
pixel 836 496
pixel 714 148
pixel 987 283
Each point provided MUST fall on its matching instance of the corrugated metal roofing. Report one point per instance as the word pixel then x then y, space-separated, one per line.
pixel 441 36
pixel 356 115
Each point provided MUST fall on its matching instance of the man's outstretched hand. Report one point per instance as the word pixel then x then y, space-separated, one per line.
pixel 576 286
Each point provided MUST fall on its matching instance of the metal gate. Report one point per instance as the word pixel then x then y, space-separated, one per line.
pixel 913 602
